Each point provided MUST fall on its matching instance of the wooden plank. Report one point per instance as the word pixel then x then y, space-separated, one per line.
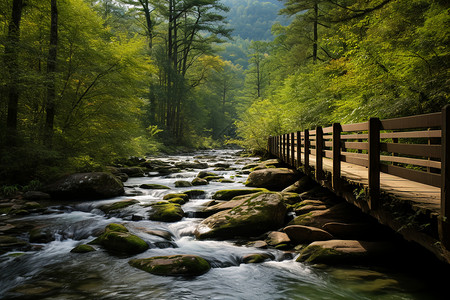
pixel 355 127
pixel 412 134
pixel 444 222
pixel 319 154
pixel 355 160
pixel 374 163
pixel 359 136
pixel 327 130
pixel 292 150
pixel 412 161
pixel 328 154
pixel 299 149
pixel 414 175
pixel 356 145
pixel 433 151
pixel 420 121
pixel 336 176
pixel 307 146
pixel 288 148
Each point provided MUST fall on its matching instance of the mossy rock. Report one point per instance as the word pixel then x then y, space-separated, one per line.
pixel 211 178
pixel 291 198
pixel 204 174
pixel 173 265
pixel 8 243
pixel 256 258
pixel 153 186
pixel 182 183
pixel 199 181
pixel 176 195
pixel 226 180
pixel 117 239
pixel 230 194
pixel 178 200
pixel 166 212
pixel 41 235
pixel 195 193
pixel 106 208
pixel 83 248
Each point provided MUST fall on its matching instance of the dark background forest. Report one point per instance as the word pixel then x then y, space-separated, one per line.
pixel 87 82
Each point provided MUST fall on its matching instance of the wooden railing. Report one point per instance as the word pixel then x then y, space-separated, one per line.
pixel 415 148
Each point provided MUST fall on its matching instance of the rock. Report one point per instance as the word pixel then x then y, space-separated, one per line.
pixel 211 178
pixel 258 244
pixel 107 208
pixel 97 185
pixel 132 171
pixel 291 198
pixel 161 233
pixel 117 239
pixel 195 194
pixel 256 258
pixel 342 212
pixel 305 234
pixel 225 180
pixel 199 181
pixel 182 183
pixel 304 184
pixel 203 174
pixel 184 196
pixel 122 176
pixel 41 235
pixel 346 251
pixel 35 195
pixel 166 212
pixel 272 179
pixel 222 165
pixel 168 170
pixel 260 213
pixel 276 238
pixel 230 194
pixel 83 248
pixel 9 243
pixel 236 201
pixel 304 209
pixel 191 165
pixel 173 265
pixel 152 186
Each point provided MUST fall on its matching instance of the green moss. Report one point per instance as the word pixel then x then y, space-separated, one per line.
pixel 122 242
pixel 176 195
pixel 210 178
pixel 255 258
pixel 230 194
pixel 117 205
pixel 180 201
pixel 168 212
pixel 226 181
pixel 320 255
pixel 83 248
pixel 115 227
pixel 194 193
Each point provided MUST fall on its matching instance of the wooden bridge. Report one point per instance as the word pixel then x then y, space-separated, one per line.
pixel 396 170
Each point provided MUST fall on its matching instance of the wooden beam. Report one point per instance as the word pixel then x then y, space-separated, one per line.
pixel 307 146
pixel 299 149
pixel 292 150
pixel 319 154
pixel 288 148
pixel 336 156
pixel 374 163
pixel 444 221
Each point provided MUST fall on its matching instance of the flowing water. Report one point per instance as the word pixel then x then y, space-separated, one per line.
pixel 51 271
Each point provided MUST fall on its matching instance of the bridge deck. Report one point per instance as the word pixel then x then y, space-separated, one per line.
pixel 419 195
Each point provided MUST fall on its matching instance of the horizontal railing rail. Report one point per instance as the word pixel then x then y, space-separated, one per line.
pixel 415 148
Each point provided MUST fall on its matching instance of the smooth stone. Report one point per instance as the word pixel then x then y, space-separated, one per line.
pixel 173 265
pixel 272 178
pixel 306 234
pixel 276 238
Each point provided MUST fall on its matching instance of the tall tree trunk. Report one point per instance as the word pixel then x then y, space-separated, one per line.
pixel 316 17
pixel 51 70
pixel 12 65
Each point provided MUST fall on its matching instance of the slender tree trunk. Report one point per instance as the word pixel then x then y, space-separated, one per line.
pixel 51 70
pixel 316 16
pixel 12 65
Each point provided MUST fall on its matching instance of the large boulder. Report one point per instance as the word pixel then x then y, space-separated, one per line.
pixel 272 178
pixel 258 214
pixel 173 265
pixel 117 239
pixel 302 185
pixel 97 185
pixel 346 251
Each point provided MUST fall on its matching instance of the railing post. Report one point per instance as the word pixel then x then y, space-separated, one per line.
pixel 279 147
pixel 292 150
pixel 336 156
pixel 319 153
pixel 307 145
pixel 288 148
pixel 374 163
pixel 284 148
pixel 444 221
pixel 299 149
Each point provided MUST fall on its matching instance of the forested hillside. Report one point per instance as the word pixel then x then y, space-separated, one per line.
pixel 85 82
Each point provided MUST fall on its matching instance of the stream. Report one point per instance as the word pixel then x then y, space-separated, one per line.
pixel 51 271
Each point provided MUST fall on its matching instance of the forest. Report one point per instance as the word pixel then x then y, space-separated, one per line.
pixel 87 82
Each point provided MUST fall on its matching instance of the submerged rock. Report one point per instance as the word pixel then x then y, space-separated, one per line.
pixel 230 194
pixel 191 165
pixel 182 183
pixel 173 265
pixel 272 178
pixel 256 258
pixel 195 193
pixel 97 185
pixel 83 248
pixel 184 196
pixel 258 214
pixel 9 243
pixel 107 208
pixel 117 239
pixel 152 186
